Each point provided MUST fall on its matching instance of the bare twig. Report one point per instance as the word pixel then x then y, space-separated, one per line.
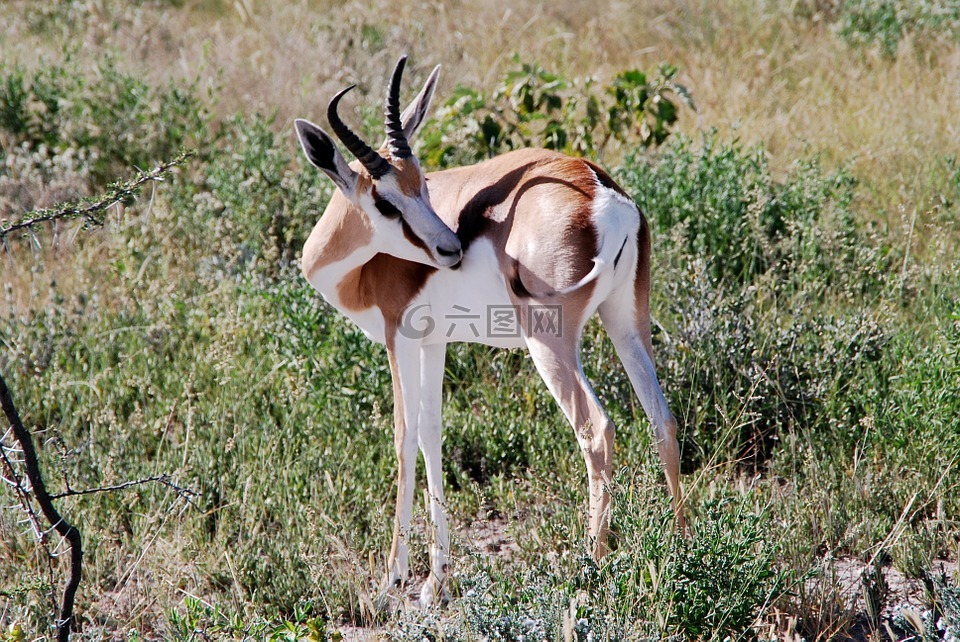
pixel 164 479
pixel 90 211
pixel 39 491
pixel 22 491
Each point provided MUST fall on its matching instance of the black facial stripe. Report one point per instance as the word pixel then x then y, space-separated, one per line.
pixel 387 208
pixel 384 206
pixel 412 237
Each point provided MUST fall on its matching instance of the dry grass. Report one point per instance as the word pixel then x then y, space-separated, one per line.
pixel 759 70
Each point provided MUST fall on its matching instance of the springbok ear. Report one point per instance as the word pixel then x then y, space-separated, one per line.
pixel 322 152
pixel 412 117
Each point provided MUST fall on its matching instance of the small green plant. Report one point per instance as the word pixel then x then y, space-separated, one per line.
pixel 725 573
pixel 533 107
pixel 640 110
pixel 201 620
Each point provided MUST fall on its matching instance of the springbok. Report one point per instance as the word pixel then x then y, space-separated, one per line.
pixel 517 251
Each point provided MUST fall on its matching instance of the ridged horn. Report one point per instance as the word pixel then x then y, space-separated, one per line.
pixel 396 141
pixel 368 157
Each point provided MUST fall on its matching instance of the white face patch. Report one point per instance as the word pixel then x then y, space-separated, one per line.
pixel 408 226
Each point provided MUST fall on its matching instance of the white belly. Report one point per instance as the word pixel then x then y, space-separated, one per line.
pixel 470 304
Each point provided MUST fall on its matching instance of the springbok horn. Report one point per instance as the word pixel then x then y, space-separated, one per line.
pixel 374 162
pixel 396 141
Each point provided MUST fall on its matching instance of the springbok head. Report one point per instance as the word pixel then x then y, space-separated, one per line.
pixel 388 186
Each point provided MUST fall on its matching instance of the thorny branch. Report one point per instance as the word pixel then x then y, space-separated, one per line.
pixel 34 487
pixel 163 479
pixel 39 490
pixel 90 211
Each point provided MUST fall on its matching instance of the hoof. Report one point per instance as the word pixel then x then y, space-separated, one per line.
pixel 433 593
pixel 389 594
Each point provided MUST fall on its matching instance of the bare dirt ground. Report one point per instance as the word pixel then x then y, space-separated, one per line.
pixel 903 595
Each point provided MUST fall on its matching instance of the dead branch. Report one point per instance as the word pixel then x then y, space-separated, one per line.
pixel 163 479
pixel 50 513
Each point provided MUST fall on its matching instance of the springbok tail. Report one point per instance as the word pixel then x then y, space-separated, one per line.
pixel 601 263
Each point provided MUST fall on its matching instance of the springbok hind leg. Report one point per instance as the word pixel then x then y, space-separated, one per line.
pixel 558 362
pixel 633 344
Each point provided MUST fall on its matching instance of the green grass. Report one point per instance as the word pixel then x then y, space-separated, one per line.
pixel 811 355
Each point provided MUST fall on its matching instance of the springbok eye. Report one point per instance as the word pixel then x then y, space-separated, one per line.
pixel 387 208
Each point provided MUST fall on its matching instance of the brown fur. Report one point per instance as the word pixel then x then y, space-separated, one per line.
pixel 340 231
pixel 408 176
pixel 642 285
pixel 548 187
pixel 386 282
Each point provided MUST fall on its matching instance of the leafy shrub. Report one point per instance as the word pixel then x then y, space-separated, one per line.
pixel 742 376
pixel 113 119
pixel 258 203
pixel 886 22
pixel 719 203
pixel 795 348
pixel 532 107
pixel 743 258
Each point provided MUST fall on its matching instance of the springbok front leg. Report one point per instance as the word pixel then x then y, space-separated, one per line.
pixel 405 369
pixel 557 359
pixel 430 428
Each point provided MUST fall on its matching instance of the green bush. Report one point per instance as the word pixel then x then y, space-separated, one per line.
pixel 532 107
pixel 743 259
pixel 260 202
pixel 719 203
pixel 111 118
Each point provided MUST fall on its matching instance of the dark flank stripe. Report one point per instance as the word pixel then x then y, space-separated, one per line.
pixel 605 179
pixel 617 260
pixel 473 222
